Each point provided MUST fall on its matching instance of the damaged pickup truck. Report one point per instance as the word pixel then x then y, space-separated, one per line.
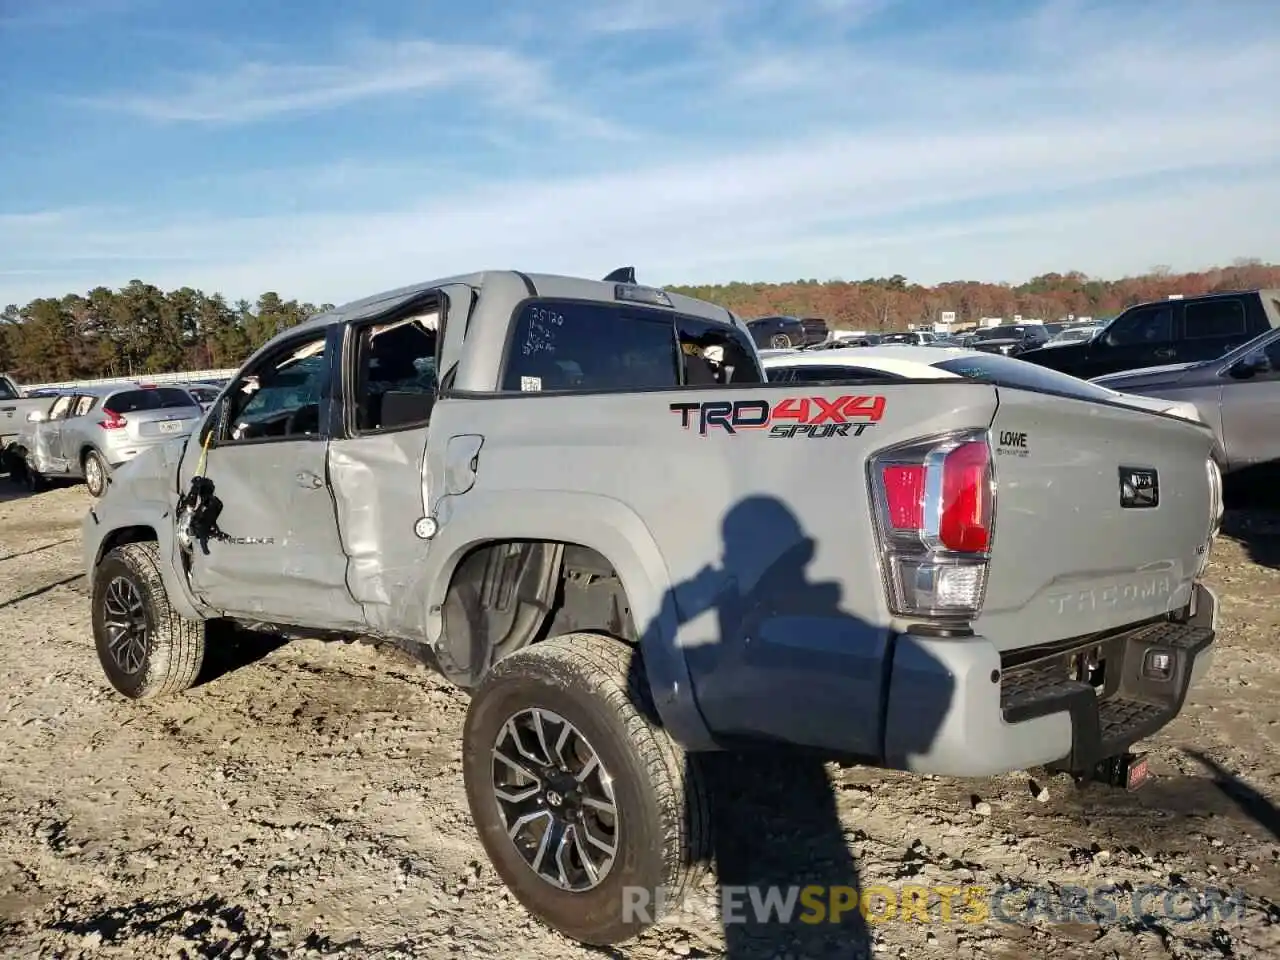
pixel 582 502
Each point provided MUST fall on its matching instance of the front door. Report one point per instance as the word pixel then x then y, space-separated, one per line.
pixel 1251 410
pixel 267 459
pixel 1139 337
pixel 48 438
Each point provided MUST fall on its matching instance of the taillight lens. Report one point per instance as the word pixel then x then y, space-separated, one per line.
pixel 935 504
pixel 112 421
pixel 965 517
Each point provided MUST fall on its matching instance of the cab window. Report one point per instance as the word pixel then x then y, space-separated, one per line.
pixel 395 375
pixel 279 398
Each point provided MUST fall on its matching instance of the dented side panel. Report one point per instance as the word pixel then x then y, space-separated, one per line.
pixel 378 491
pixel 296 571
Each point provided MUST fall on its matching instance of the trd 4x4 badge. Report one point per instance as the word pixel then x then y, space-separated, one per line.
pixel 815 417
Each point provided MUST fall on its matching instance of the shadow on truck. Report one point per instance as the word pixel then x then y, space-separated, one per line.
pixel 777 827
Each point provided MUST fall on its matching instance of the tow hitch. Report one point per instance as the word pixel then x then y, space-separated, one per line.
pixel 1128 770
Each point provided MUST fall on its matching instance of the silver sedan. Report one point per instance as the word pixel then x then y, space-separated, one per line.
pixel 1238 395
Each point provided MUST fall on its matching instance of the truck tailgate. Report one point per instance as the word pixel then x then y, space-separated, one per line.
pixel 1103 517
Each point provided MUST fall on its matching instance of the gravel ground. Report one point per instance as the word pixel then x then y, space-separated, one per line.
pixel 307 801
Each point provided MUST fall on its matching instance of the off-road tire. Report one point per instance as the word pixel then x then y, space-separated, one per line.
pixel 175 646
pixel 663 831
pixel 99 488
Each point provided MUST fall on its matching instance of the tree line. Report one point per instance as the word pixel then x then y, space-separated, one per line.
pixel 141 329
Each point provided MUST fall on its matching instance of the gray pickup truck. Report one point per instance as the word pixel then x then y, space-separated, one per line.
pixel 566 495
pixel 15 405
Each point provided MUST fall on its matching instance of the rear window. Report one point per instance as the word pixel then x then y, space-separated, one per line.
pixel 577 345
pixel 1012 372
pixel 160 398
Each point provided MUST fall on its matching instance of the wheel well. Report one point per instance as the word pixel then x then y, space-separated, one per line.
pixel 118 538
pixel 85 451
pixel 506 594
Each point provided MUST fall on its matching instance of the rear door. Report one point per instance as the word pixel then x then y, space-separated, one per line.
pixel 74 433
pixel 1211 328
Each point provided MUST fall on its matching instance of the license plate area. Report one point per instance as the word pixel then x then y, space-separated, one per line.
pixel 170 426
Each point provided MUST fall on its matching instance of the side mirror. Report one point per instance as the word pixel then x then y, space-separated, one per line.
pixel 1247 367
pixel 37 416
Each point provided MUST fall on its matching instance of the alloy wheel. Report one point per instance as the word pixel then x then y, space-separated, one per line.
pixel 556 799
pixel 125 621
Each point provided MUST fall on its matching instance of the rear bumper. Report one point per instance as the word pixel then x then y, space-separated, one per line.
pixel 120 453
pixel 1000 717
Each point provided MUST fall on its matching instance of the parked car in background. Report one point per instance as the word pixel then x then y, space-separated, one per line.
pixel 1237 395
pixel 1078 334
pixel 940 363
pixel 87 434
pixel 915 338
pixel 783 333
pixel 1011 340
pixel 204 393
pixel 1168 331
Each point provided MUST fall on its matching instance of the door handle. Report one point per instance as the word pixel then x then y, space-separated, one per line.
pixel 308 479
pixel 1164 353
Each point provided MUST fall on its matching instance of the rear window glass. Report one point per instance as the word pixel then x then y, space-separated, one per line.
pixel 161 398
pixel 1012 372
pixel 593 346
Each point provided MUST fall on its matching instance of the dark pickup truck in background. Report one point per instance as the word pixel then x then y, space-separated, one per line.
pixel 1164 332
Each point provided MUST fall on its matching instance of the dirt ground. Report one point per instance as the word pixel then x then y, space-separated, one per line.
pixel 307 801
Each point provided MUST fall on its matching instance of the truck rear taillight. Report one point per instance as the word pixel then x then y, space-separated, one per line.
pixel 935 506
pixel 112 421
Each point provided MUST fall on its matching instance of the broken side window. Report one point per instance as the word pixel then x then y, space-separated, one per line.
pixel 280 399
pixel 396 377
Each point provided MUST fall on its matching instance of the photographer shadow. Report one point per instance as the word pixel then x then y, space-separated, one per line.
pixel 792 666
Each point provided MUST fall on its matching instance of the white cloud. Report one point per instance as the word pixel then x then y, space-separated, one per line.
pixel 1142 139
pixel 372 69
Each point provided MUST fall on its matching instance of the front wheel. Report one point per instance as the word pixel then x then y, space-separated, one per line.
pixel 780 341
pixel 146 649
pixel 588 809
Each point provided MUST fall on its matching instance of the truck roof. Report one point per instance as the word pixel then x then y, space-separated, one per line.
pixel 1270 297
pixel 532 284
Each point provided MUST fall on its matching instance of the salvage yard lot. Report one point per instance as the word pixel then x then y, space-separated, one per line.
pixel 308 801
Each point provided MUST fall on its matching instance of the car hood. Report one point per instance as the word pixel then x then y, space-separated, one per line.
pixel 1145 376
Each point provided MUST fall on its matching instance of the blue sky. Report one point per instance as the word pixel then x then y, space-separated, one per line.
pixel 328 150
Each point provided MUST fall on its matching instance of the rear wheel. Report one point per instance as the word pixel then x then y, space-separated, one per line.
pixel 146 649
pixel 95 473
pixel 588 809
pixel 780 341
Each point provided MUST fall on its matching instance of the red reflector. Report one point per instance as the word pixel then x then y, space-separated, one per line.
pixel 904 491
pixel 966 498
